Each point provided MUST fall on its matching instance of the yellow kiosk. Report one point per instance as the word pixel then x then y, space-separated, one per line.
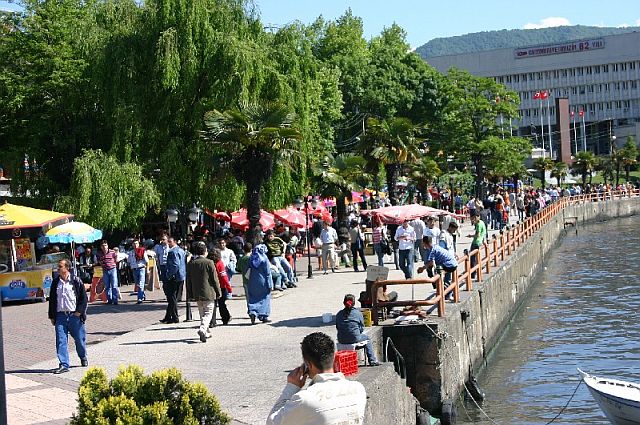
pixel 21 278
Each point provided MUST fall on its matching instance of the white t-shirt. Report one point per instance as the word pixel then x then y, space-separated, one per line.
pixel 330 399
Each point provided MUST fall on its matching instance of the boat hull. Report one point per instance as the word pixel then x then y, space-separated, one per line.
pixel 619 400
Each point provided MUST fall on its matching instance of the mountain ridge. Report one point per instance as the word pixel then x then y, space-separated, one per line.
pixel 500 39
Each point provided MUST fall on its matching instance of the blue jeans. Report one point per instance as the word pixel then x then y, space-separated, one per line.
pixel 370 354
pixel 284 267
pixel 377 248
pixel 139 277
pixel 68 323
pixel 406 262
pixel 110 280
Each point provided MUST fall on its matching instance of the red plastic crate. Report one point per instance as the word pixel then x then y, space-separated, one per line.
pixel 346 362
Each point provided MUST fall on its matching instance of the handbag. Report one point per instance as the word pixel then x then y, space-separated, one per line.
pixel 384 245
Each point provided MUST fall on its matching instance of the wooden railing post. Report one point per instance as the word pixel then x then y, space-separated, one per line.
pixel 467 269
pixel 440 294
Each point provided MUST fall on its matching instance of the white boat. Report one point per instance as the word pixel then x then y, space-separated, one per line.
pixel 619 400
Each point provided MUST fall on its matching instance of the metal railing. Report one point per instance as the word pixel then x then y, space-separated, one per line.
pixel 489 256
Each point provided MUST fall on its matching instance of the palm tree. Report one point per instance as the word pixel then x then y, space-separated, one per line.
pixel 543 165
pixel 629 155
pixel 607 166
pixel 340 175
pixel 423 173
pixel 559 171
pixel 584 164
pixel 253 138
pixel 393 142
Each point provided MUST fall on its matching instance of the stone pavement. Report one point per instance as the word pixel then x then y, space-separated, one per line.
pixel 245 366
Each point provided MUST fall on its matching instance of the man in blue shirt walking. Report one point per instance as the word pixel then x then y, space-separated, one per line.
pixel 176 274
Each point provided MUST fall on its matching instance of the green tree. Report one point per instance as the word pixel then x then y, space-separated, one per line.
pixel 47 105
pixel 607 166
pixel 393 143
pixel 542 165
pixel 628 155
pixel 340 175
pixel 559 171
pixel 584 164
pixel 470 130
pixel 107 193
pixel 424 172
pixel 254 138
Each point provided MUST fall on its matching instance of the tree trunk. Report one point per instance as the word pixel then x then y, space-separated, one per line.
pixel 479 177
pixel 341 207
pixel 627 170
pixel 254 202
pixel 617 173
pixel 392 179
pixel 584 177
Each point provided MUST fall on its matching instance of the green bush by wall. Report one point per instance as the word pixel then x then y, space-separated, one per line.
pixel 133 398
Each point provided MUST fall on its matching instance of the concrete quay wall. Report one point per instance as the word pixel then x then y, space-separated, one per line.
pixel 441 354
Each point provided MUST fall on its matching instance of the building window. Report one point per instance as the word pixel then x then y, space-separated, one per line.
pixel 597 69
pixel 516 78
pixel 605 68
pixel 580 71
pixel 582 89
pixel 574 90
pixel 524 77
pixel 591 88
pixel 592 107
pixel 615 67
pixel 588 69
pixel 623 66
pixel 564 72
pixel 539 75
pixel 625 85
pixel 600 106
pixel 634 84
pixel 632 65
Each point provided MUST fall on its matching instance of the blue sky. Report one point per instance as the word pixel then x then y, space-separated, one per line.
pixel 427 19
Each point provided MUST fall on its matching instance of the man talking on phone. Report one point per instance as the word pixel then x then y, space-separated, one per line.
pixel 329 399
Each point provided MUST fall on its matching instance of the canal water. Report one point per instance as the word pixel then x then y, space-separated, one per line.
pixel 584 311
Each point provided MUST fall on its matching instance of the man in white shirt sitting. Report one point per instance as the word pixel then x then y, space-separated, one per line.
pixel 330 399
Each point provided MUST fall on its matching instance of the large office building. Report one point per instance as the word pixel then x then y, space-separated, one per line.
pixel 600 78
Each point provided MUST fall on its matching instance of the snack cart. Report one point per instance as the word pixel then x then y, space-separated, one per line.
pixel 21 277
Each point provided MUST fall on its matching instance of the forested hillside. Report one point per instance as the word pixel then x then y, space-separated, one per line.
pixel 488 40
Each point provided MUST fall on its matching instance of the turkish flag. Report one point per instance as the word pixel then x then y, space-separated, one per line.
pixel 544 94
pixel 572 113
pixel 536 95
pixel 581 113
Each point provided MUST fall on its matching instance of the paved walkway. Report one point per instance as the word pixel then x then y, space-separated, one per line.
pixel 245 366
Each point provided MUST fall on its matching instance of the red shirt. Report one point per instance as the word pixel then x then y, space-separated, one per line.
pixel 109 260
pixel 222 276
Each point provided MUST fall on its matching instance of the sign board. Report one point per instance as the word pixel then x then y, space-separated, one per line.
pixel 375 273
pixel 555 49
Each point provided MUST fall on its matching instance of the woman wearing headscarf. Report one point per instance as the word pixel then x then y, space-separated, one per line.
pixel 259 285
pixel 350 324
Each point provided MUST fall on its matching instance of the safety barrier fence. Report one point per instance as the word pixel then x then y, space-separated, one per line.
pixel 489 256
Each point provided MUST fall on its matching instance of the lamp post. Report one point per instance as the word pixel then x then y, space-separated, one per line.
pixel 192 215
pixel 304 203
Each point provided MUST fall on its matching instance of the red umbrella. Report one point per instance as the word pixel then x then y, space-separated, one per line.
pixel 292 217
pixel 240 220
pixel 399 213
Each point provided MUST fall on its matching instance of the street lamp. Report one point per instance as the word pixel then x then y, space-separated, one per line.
pixel 304 203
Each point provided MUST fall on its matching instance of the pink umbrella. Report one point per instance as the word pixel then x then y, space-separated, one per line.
pixel 399 213
pixel 292 217
pixel 239 220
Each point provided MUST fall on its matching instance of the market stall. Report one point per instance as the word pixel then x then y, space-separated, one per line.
pixel 21 277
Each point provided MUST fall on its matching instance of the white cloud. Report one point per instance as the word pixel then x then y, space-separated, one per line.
pixel 552 21
pixel 638 22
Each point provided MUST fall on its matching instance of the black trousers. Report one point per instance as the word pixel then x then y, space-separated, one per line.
pixel 224 311
pixel 171 288
pixel 355 250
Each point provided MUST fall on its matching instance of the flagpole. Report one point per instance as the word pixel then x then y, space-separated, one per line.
pixel 549 126
pixel 542 126
pixel 584 134
pixel 575 134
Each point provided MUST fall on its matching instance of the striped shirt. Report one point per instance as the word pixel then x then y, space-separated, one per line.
pixel 378 234
pixel 107 261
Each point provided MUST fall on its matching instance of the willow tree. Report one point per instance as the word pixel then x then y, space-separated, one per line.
pixel 109 194
pixel 255 137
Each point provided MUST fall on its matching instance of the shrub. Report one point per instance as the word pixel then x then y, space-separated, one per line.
pixel 132 398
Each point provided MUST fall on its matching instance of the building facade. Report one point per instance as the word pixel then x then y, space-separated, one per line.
pixel 600 78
